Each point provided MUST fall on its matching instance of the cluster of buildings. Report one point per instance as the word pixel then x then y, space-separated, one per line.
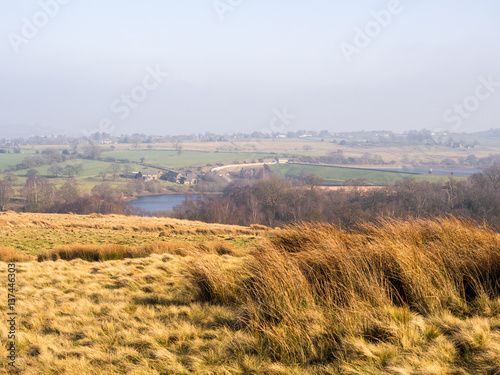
pixel 461 145
pixel 183 178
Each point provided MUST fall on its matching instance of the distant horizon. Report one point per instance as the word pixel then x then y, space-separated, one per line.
pixel 305 131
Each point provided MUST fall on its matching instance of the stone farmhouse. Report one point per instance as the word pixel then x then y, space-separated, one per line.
pixel 149 175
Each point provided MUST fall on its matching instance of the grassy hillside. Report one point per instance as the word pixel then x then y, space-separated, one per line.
pixel 335 176
pixel 170 159
pixel 7 160
pixel 160 296
pixel 32 233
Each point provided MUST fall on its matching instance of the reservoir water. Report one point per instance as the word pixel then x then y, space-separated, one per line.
pixel 155 203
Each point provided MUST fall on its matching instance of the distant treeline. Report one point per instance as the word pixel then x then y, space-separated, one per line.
pixel 42 196
pixel 355 139
pixel 367 158
pixel 275 201
pixel 39 195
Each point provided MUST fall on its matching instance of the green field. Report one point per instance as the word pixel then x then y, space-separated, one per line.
pixel 161 158
pixel 336 176
pixel 202 156
pixel 8 160
pixel 87 179
pixel 170 159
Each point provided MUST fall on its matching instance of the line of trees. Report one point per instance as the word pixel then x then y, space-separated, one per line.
pixel 275 202
pixel 42 196
pixel 337 157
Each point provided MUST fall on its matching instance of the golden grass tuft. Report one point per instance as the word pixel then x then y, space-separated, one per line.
pixel 101 253
pixel 311 292
pixel 219 248
pixel 91 253
pixel 215 279
pixel 10 255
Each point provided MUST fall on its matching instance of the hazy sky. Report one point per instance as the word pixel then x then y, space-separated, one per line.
pixel 191 66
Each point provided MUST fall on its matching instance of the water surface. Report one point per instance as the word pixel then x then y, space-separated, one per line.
pixel 155 203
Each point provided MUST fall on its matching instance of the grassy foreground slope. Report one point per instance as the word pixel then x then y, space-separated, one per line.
pixel 31 233
pixel 419 297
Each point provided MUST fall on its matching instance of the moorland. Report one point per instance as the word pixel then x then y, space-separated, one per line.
pixel 101 294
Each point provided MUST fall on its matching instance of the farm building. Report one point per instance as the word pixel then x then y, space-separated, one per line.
pixel 172 176
pixel 190 179
pixel 180 178
pixel 149 175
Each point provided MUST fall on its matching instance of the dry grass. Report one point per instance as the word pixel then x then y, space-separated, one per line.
pixel 30 233
pixel 417 297
pixel 102 253
pixel 10 255
pixel 372 301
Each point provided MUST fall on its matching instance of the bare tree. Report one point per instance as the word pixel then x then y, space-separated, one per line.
pixel 92 151
pixel 69 170
pixel 178 145
pixel 271 192
pixel 38 192
pixel 11 177
pixel 31 173
pixel 78 169
pixel 74 145
pixel 312 181
pixel 6 193
pixel 114 170
pixel 106 191
pixel 127 170
pixel 135 141
pixel 493 174
pixel 56 169
pixel 103 174
pixel 69 192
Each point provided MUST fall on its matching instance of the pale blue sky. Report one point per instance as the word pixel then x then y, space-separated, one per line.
pixel 230 74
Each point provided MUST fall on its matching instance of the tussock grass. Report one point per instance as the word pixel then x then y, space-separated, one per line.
pixel 399 297
pixel 219 248
pixel 10 255
pixel 216 279
pixel 91 253
pixel 260 227
pixel 101 253
pixel 361 299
